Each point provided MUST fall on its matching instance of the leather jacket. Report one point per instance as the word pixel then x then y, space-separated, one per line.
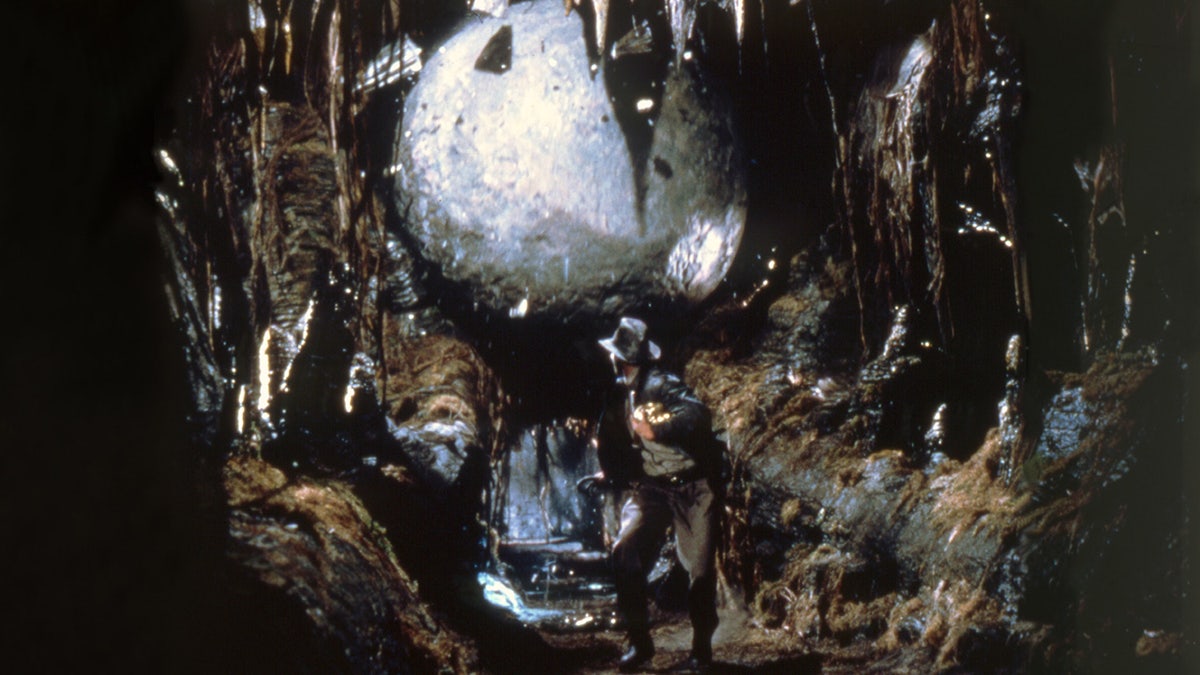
pixel 688 426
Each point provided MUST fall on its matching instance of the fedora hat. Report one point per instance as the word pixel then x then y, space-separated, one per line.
pixel 629 342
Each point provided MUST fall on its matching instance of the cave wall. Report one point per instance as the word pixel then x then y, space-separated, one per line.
pixel 844 493
pixel 902 474
pixel 346 424
pixel 918 499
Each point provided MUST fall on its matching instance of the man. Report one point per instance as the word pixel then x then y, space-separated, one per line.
pixel 655 438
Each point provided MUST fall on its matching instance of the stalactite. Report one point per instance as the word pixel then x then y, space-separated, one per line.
pixel 600 8
pixel 840 182
pixel 683 19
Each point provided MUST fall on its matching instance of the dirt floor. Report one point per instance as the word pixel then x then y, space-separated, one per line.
pixel 739 646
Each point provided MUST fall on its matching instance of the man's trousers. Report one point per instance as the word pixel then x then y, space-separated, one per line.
pixel 692 508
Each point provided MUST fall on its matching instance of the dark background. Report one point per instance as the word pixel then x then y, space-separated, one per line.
pixel 105 556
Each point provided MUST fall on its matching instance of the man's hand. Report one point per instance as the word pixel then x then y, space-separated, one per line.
pixel 642 428
pixel 593 484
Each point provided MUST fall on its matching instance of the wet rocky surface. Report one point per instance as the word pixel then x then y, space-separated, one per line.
pixel 325 582
pixel 441 407
pixel 935 560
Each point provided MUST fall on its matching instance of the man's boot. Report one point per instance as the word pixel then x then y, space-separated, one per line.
pixel 700 659
pixel 641 650
pixel 702 607
pixel 701 650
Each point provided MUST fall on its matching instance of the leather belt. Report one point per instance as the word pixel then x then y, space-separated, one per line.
pixel 677 479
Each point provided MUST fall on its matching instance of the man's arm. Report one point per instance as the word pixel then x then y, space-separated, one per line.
pixel 685 413
pixel 614 444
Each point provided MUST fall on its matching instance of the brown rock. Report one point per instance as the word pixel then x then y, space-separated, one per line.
pixel 319 568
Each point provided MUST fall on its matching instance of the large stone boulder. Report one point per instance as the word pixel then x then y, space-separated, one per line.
pixel 542 192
